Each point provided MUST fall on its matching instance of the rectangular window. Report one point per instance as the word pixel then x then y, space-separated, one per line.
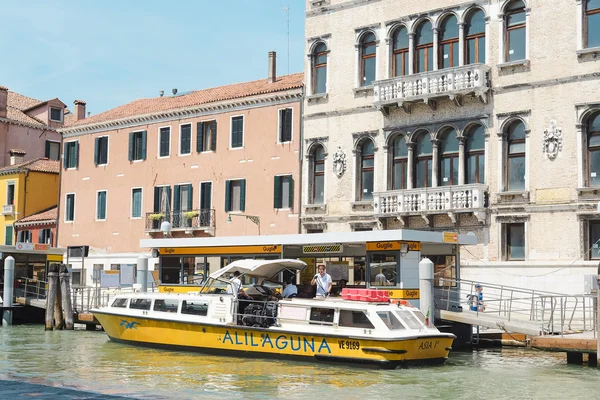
pixel 101 205
pixel 515 241
pixel 10 193
pixel 137 146
pixel 206 136
pixel 101 151
pixel 45 236
pixel 24 236
pixel 166 305
pixel 119 303
pixel 283 192
pixel 193 307
pixel 140 304
pixel 185 139
pixel 592 23
pixel 285 125
pixel 97 273
pixel 164 142
pixel 52 150
pixel 71 154
pixel 237 132
pixel 70 207
pixel 55 114
pixel 136 203
pixel 235 195
pixel 594 239
pixel 390 320
pixel 8 235
pixel 355 319
pixel 205 196
pixel 322 315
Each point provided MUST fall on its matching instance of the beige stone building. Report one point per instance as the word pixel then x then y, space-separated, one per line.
pixel 479 116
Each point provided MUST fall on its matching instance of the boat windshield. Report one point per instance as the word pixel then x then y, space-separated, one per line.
pixel 390 320
pixel 409 319
pixel 213 285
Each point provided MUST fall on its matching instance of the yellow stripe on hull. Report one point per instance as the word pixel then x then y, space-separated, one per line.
pixel 265 342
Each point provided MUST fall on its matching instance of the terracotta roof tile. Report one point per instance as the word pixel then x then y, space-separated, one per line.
pixel 16 104
pixel 195 98
pixel 37 165
pixel 50 215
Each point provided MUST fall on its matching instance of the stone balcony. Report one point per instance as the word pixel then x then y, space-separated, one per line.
pixel 453 83
pixel 425 202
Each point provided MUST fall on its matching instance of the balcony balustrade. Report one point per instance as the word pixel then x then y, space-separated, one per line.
pixel 8 209
pixel 438 200
pixel 425 87
pixel 181 220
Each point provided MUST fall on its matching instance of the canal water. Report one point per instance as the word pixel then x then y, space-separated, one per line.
pixel 86 365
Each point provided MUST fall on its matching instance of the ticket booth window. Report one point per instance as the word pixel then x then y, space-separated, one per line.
pixel 384 269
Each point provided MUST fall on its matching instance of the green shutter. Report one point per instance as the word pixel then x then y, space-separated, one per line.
pixel 47 151
pixel 190 197
pixel 96 151
pixel 214 136
pixel 65 156
pixel 243 195
pixel 277 192
pixel 144 137
pixel 131 146
pixel 76 154
pixel 8 231
pixel 291 192
pixel 200 137
pixel 157 194
pixel 176 198
pixel 227 196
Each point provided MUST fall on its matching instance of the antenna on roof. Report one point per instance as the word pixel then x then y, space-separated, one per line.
pixel 286 11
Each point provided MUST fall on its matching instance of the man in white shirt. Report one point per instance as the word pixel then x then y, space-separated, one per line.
pixel 289 289
pixel 236 283
pixel 323 282
pixel 380 279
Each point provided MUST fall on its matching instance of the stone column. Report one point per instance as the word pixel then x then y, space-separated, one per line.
pixel 461 160
pixel 580 27
pixel 527 31
pixel 435 49
pixel 410 165
pixel 461 44
pixel 501 161
pixel 411 53
pixel 435 161
pixel 501 41
pixel 581 178
pixel 386 169
pixel 487 40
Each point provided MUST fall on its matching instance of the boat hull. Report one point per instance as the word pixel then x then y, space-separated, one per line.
pixel 258 342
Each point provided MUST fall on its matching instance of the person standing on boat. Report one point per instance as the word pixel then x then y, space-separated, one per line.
pixel 236 282
pixel 289 289
pixel 323 282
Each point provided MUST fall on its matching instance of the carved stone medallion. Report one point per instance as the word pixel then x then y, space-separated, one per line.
pixel 553 139
pixel 339 162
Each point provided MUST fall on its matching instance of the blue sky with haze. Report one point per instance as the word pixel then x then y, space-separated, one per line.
pixel 111 52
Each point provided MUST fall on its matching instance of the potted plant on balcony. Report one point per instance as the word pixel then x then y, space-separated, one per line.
pixel 156 216
pixel 188 215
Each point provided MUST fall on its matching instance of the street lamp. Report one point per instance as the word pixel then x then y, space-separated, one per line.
pixel 253 218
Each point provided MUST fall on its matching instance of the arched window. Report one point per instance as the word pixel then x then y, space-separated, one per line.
pixel 475 38
pixel 593 143
pixel 399 163
pixel 449 158
pixel 515 35
pixel 368 50
pixel 448 39
pixel 400 53
pixel 319 72
pixel 318 176
pixel 516 157
pixel 424 47
pixel 423 164
pixel 367 167
pixel 475 155
pixel 592 23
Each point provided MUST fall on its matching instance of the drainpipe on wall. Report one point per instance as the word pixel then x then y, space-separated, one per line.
pixel 60 172
pixel 301 154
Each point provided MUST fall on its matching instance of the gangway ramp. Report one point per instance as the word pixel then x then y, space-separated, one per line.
pixel 515 310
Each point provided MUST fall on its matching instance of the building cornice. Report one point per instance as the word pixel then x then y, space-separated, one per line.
pixel 26 125
pixel 188 112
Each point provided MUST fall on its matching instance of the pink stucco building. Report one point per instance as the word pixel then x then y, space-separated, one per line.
pixel 201 160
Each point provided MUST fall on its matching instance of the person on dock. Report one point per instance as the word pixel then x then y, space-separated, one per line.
pixel 323 282
pixel 477 299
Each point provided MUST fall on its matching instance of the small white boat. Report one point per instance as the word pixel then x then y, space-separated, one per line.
pixel 373 331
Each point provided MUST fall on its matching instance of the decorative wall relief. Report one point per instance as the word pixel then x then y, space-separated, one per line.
pixel 553 139
pixel 339 162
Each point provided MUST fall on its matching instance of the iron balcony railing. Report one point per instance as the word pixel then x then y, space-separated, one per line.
pixel 182 220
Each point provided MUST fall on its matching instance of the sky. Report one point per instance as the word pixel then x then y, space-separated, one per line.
pixel 111 52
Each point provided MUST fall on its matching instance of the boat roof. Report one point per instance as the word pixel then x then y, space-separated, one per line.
pixel 260 268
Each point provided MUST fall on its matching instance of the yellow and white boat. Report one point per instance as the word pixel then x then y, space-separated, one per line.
pixel 330 330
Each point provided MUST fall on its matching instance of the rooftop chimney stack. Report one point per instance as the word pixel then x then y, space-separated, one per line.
pixel 161 93
pixel 3 101
pixel 272 66
pixel 79 109
pixel 174 91
pixel 16 156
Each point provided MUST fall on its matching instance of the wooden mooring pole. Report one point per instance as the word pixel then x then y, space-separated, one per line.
pixel 52 284
pixel 65 285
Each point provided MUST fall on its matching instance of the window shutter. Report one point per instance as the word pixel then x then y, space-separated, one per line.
pixel 227 196
pixel 281 124
pixel 156 199
pixel 291 193
pixel 47 152
pixel 50 238
pixel 144 134
pixel 96 151
pixel 65 156
pixel 200 137
pixel 131 145
pixel 277 192
pixel 19 237
pixel 76 154
pixel 176 198
pixel 243 195
pixel 214 136
pixel 41 236
pixel 288 125
pixel 190 197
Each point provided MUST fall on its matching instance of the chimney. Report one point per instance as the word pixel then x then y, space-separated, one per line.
pixel 17 156
pixel 272 66
pixel 174 91
pixel 79 109
pixel 161 93
pixel 3 101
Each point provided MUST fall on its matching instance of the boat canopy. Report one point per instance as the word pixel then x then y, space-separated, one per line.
pixel 260 268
